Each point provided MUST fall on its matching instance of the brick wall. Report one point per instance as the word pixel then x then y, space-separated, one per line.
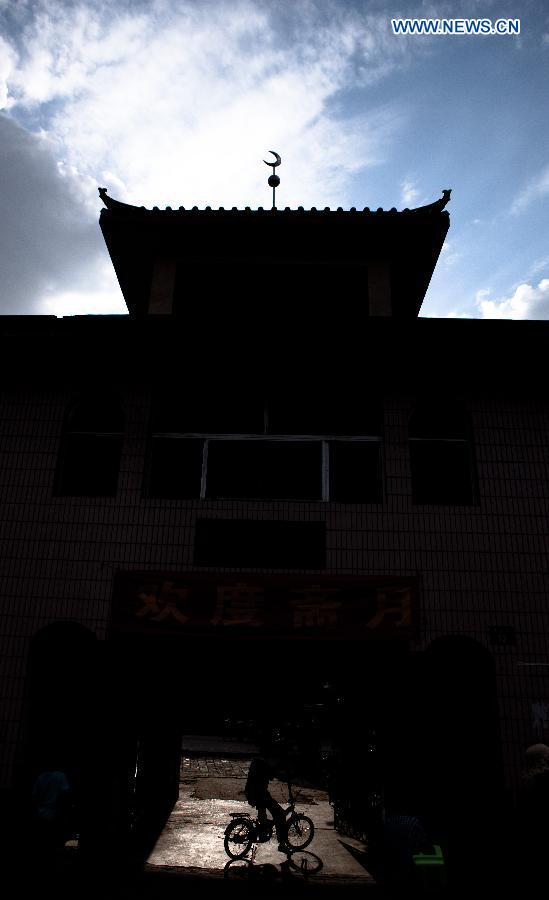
pixel 481 567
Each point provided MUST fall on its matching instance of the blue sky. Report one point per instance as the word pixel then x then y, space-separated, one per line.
pixel 177 101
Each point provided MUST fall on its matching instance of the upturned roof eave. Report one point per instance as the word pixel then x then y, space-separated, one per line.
pixel 126 209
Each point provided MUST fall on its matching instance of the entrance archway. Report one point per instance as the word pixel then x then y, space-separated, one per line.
pixel 196 653
pixel 323 697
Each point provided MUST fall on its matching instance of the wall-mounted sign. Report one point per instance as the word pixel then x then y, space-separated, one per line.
pixel 265 605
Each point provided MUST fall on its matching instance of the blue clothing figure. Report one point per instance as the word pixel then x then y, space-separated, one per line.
pixel 51 802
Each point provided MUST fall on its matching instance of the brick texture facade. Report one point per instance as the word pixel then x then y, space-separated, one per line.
pixel 483 568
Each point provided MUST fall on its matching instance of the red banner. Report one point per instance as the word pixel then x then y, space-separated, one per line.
pixel 264 605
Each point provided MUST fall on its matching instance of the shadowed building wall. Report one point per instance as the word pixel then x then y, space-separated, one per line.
pixel 394 447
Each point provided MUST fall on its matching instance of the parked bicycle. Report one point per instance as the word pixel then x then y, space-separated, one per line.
pixel 244 830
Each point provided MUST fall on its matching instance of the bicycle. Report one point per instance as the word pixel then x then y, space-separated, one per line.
pixel 243 831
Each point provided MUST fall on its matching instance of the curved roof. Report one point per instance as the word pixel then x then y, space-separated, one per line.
pixel 313 252
pixel 127 208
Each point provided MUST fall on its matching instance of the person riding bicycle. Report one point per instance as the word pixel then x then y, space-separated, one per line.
pixel 256 791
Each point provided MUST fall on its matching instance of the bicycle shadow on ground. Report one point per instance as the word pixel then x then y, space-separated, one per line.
pixel 301 864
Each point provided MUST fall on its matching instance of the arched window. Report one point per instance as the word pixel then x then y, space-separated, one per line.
pixel 441 453
pixel 89 458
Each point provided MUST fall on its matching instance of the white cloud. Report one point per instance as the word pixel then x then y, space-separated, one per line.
pixel 409 193
pixel 537 188
pixel 63 45
pixel 179 102
pixel 173 102
pixel 527 302
pixel 103 300
pixel 7 64
pixel 49 239
pixel 448 254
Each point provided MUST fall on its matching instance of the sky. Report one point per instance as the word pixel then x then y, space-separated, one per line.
pixel 177 102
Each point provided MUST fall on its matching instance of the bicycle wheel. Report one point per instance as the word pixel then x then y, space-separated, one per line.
pixel 300 832
pixel 238 838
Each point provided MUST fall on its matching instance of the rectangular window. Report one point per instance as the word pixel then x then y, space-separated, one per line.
pixel 273 470
pixel 355 471
pixel 235 543
pixel 233 446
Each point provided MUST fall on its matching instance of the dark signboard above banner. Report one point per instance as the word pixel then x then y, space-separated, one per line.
pixel 264 605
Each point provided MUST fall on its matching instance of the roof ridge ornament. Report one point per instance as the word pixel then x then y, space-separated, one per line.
pixel 273 180
pixel 111 203
pixel 435 207
pixel 441 203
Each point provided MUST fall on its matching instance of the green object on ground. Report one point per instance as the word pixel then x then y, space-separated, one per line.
pixel 430 868
pixel 430 859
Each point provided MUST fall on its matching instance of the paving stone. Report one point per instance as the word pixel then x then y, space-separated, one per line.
pixel 193 841
pixel 214 767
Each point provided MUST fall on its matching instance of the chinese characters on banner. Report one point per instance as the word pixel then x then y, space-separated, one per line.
pixel 271 605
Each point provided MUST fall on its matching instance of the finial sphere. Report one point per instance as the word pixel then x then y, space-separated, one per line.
pixel 273 181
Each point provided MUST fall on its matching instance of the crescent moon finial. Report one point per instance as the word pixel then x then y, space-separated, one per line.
pixel 273 180
pixel 277 161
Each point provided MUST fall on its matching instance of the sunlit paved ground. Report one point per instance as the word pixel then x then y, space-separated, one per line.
pixel 213 788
